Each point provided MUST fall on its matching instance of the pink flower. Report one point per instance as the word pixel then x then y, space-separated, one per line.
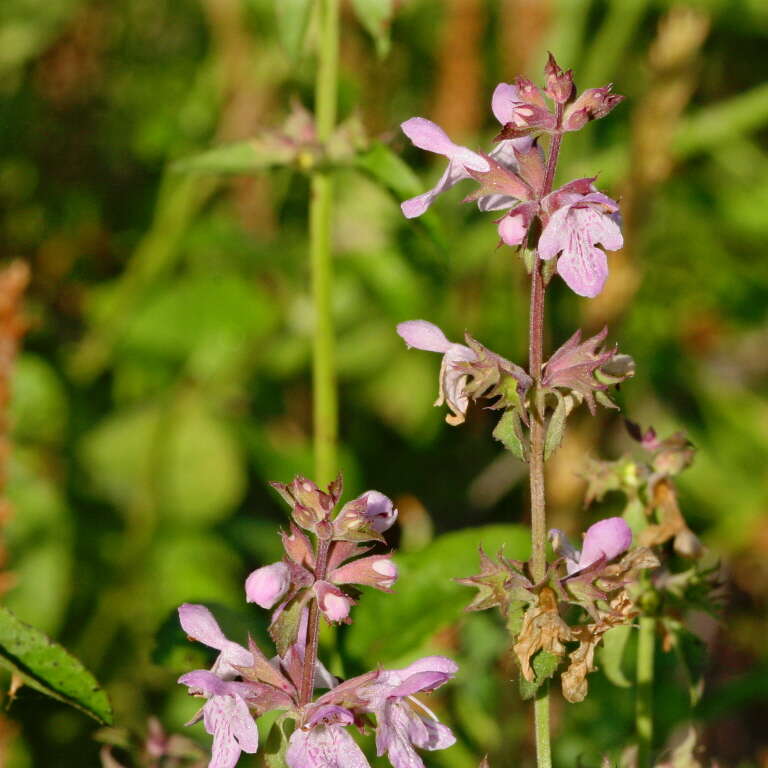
pixel 463 162
pixel 226 717
pixel 374 571
pixel 604 540
pixel 580 217
pixel 399 727
pixel 266 586
pixel 334 604
pixel 199 624
pixel 427 336
pixel 323 742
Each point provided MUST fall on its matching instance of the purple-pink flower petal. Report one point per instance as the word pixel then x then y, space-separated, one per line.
pixel 199 624
pixel 324 747
pixel 607 538
pixel 266 586
pixel 425 134
pixel 421 334
pixel 505 98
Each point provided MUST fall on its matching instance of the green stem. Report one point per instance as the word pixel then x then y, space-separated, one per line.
pixel 541 726
pixel 325 407
pixel 646 644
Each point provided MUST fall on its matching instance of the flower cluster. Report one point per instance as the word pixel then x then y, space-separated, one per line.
pixel 515 177
pixel 311 580
pixel 592 581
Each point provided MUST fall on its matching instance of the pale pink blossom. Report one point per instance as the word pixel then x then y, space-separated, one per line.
pixel 604 540
pixel 422 334
pixel 579 218
pixel 266 586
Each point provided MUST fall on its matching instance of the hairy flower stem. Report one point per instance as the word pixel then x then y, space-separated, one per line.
pixel 644 691
pixel 313 628
pixel 538 500
pixel 325 406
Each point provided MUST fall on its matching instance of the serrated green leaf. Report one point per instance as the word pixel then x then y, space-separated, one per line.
pixel 242 157
pixel 292 23
pixel 376 16
pixel 509 432
pixel 555 428
pixel 277 742
pixel 544 665
pixel 387 627
pixel 613 655
pixel 47 667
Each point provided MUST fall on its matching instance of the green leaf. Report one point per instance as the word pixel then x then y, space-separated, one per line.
pixel 544 665
pixel 47 667
pixel 200 475
pixel 613 655
pixel 426 598
pixel 242 157
pixel 509 432
pixel 277 742
pixel 285 629
pixel 292 23
pixel 555 428
pixel 375 16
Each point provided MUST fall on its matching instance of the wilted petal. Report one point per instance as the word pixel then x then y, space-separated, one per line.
pixel 266 586
pixel 422 334
pixel 324 747
pixel 607 538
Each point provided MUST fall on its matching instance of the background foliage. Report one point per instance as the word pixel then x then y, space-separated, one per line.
pixel 165 377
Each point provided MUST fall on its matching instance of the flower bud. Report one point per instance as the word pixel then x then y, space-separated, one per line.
pixel 559 84
pixel 593 104
pixel 267 585
pixel 375 571
pixel 310 505
pixel 332 602
pixel 365 518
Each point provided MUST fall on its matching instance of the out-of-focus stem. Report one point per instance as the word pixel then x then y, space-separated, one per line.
pixel 536 460
pixel 325 407
pixel 313 627
pixel 646 644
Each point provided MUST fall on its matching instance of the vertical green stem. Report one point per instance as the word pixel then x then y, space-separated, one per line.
pixel 541 726
pixel 644 702
pixel 325 407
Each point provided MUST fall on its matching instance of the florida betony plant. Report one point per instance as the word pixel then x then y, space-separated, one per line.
pixel 562 232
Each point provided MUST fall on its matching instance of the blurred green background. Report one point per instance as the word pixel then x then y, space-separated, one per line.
pixel 165 376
